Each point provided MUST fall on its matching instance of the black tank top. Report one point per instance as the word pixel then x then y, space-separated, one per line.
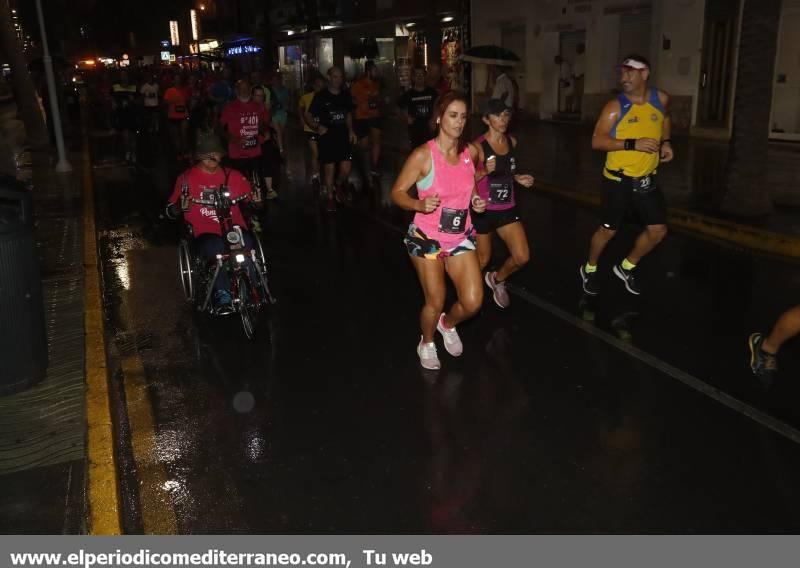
pixel 501 181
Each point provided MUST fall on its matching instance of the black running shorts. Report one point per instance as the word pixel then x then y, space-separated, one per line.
pixel 489 221
pixel 334 147
pixel 622 197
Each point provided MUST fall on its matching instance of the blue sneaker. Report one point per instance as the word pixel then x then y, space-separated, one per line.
pixel 223 304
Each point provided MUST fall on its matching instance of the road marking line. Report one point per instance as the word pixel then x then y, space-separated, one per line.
pixel 759 416
pixel 103 485
pixel 766 420
pixel 158 514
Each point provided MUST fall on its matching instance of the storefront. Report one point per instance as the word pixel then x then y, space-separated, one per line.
pixel 244 52
pixel 395 46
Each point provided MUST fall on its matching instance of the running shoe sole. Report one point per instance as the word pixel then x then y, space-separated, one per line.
pixel 622 277
pixel 583 282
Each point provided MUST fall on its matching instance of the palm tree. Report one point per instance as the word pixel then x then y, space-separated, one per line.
pixel 27 102
pixel 746 193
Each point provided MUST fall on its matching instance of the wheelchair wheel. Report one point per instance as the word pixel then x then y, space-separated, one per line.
pixel 248 311
pixel 186 270
pixel 261 259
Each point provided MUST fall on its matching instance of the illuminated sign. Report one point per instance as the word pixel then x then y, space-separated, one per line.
pixel 165 56
pixel 174 36
pixel 164 43
pixel 242 50
pixel 195 25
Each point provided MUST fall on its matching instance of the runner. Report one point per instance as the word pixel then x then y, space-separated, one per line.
pixel 332 108
pixel 634 130
pixel 279 106
pixel 123 96
pixel 245 122
pixel 149 92
pixel 417 107
pixel 270 154
pixel 177 100
pixel 497 175
pixel 368 112
pixel 764 350
pixel 222 92
pixel 441 238
pixel 310 130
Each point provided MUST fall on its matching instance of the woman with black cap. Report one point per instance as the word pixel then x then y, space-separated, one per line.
pixel 497 175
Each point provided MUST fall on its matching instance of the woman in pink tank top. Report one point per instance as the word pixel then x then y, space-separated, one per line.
pixel 441 238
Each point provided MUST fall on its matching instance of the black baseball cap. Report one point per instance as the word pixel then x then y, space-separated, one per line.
pixel 495 106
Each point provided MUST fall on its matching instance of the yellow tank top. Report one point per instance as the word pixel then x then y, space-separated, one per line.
pixel 305 104
pixel 636 121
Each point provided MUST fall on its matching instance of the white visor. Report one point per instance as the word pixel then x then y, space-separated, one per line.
pixel 634 64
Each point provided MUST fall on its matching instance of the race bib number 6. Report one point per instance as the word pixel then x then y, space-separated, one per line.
pixel 452 221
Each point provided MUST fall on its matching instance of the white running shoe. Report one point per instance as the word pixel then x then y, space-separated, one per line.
pixel 428 357
pixel 452 342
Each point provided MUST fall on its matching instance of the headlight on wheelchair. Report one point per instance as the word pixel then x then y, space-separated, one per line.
pixel 240 258
pixel 233 237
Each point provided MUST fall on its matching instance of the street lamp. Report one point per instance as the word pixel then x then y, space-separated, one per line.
pixel 62 165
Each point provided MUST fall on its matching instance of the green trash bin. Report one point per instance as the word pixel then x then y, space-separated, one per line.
pixel 23 337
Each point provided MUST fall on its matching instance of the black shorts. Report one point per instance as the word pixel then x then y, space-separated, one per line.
pixel 248 166
pixel 311 136
pixel 362 126
pixel 619 199
pixel 489 221
pixel 334 148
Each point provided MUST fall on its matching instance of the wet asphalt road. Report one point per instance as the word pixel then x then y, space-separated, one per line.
pixel 552 421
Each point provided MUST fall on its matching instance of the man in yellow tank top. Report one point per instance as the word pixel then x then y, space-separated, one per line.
pixel 634 129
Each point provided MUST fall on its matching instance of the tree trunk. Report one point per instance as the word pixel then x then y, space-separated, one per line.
pixel 747 193
pixel 25 94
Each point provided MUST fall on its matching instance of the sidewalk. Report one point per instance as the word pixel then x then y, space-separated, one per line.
pixel 560 156
pixel 43 429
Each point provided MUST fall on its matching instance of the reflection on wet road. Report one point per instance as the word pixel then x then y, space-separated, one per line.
pixel 325 423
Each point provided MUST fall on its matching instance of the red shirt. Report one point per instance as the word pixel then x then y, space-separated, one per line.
pixel 203 218
pixel 178 100
pixel 244 121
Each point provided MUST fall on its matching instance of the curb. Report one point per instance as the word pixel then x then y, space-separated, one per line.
pixel 102 491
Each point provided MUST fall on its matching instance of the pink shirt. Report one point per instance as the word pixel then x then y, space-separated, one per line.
pixel 454 185
pixel 203 218
pixel 243 121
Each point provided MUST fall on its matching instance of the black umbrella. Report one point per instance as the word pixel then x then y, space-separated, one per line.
pixel 490 55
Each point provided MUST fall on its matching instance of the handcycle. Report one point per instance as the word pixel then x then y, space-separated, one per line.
pixel 246 269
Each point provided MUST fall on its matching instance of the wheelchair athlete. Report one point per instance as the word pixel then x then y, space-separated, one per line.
pixel 202 179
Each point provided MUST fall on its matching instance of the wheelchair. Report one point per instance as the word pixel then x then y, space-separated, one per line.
pixel 246 269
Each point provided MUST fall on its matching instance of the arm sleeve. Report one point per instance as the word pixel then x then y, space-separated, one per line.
pixel 176 191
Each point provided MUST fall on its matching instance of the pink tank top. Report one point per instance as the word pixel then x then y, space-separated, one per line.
pixel 450 223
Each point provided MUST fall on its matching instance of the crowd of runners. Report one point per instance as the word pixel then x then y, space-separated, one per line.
pixel 462 192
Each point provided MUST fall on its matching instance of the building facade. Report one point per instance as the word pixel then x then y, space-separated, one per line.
pixel 692 45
